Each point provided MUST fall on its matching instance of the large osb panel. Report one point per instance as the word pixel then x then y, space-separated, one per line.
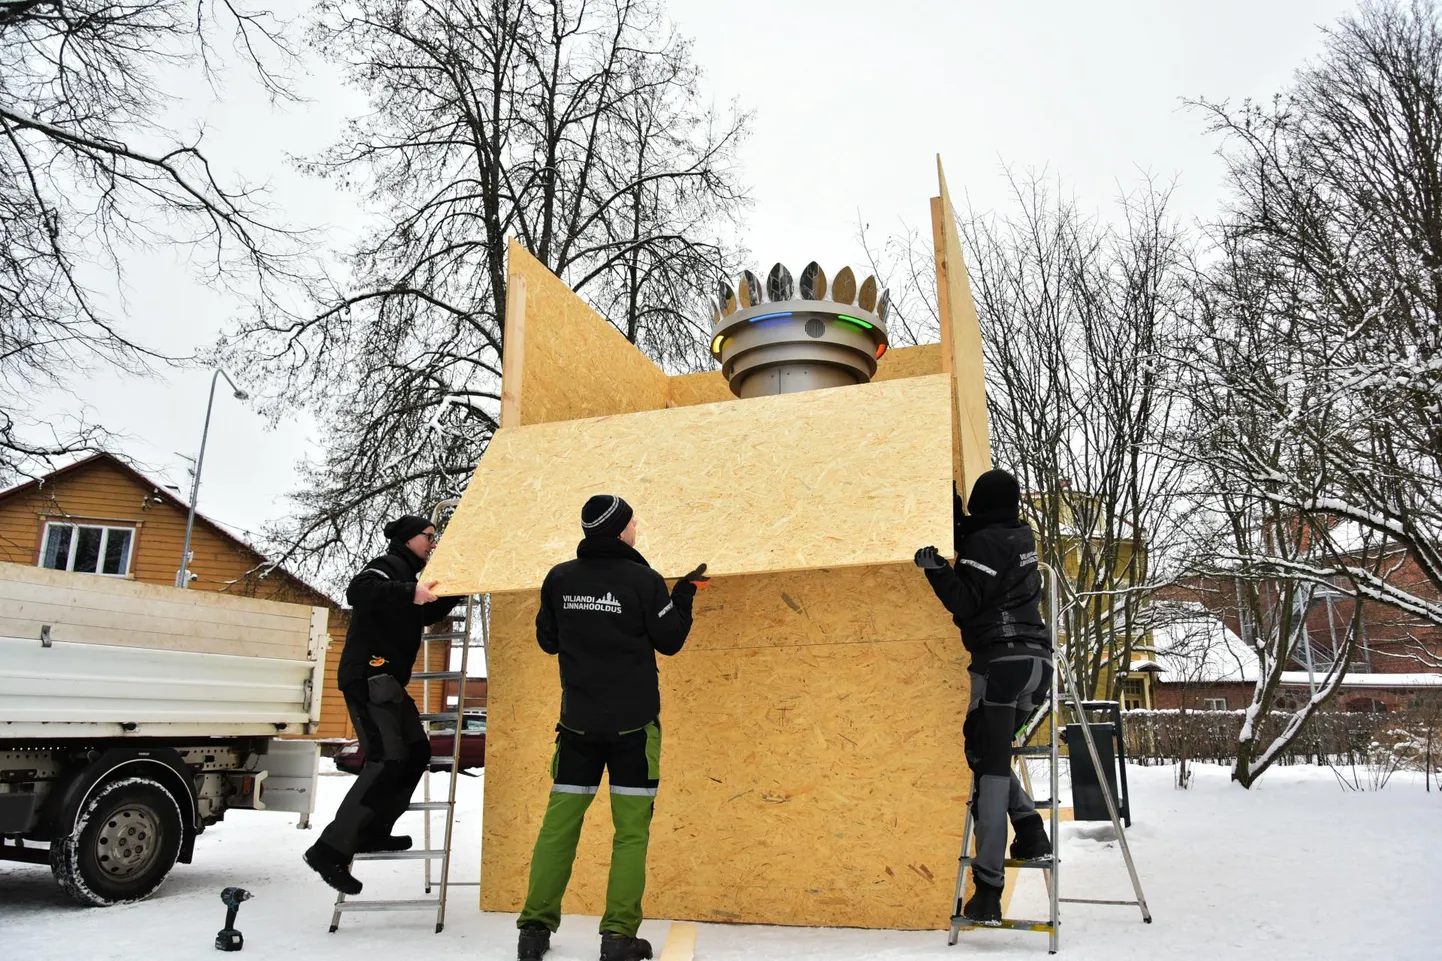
pixel 829 478
pixel 573 364
pixel 918 361
pixel 972 422
pixel 687 390
pixel 812 770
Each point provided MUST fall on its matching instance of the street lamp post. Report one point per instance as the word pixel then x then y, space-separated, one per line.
pixel 182 576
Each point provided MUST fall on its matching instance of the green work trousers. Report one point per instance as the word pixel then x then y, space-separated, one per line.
pixel 633 760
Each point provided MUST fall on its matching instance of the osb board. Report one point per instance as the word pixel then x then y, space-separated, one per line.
pixel 918 361
pixel 687 390
pixel 967 367
pixel 93 609
pixel 573 364
pixel 829 478
pixel 812 767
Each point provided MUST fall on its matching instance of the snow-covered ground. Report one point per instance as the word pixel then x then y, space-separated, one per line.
pixel 1295 868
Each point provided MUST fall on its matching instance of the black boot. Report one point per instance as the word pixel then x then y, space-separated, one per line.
pixel 533 943
pixel 623 947
pixel 1031 843
pixel 333 868
pixel 984 906
pixel 384 842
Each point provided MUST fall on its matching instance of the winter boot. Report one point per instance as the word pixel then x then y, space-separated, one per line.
pixel 985 906
pixel 333 868
pixel 533 943
pixel 385 842
pixel 623 947
pixel 1030 843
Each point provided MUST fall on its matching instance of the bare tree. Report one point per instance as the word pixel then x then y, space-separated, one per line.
pixel 88 172
pixel 1332 250
pixel 577 128
pixel 1076 318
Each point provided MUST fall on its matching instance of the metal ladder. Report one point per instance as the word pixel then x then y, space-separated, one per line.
pixel 426 805
pixel 1051 865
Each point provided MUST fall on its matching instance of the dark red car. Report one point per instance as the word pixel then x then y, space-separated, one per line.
pixel 473 748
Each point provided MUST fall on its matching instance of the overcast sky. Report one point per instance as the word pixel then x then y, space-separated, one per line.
pixel 852 103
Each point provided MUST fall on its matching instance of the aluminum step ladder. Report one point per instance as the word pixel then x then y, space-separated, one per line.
pixel 1051 866
pixel 460 635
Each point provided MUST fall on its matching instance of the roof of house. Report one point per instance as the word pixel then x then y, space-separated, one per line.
pixel 170 498
pixel 1194 646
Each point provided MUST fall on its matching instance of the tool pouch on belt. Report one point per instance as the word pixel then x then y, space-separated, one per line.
pixel 385 689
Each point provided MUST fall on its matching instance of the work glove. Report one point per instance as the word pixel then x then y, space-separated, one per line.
pixel 688 584
pixel 928 558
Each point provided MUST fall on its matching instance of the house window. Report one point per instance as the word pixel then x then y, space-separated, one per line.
pixel 1214 703
pixel 1133 694
pixel 87 549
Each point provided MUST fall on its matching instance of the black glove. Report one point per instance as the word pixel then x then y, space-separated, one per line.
pixel 690 582
pixel 928 558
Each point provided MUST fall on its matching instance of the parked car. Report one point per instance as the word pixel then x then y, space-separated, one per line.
pixel 473 747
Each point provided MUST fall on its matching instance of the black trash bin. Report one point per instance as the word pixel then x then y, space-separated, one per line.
pixel 1088 804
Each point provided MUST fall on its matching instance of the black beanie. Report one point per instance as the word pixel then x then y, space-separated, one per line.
pixel 605 515
pixel 995 492
pixel 404 528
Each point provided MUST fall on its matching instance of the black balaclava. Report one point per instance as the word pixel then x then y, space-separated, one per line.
pixel 605 515
pixel 996 494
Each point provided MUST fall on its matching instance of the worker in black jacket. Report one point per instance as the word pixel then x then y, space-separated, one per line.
pixel 605 615
pixel 391 606
pixel 994 596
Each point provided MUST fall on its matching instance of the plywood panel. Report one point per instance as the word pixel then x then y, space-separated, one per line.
pixel 688 390
pixel 974 432
pixel 573 364
pixel 918 361
pixel 812 770
pixel 841 477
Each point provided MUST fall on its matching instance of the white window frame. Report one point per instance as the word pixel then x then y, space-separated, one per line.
pixel 105 530
pixel 1214 704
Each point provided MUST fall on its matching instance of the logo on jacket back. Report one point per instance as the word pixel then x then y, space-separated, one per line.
pixel 609 604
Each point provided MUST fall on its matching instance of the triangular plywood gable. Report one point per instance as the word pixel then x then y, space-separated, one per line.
pixel 832 478
pixel 961 343
pixel 563 361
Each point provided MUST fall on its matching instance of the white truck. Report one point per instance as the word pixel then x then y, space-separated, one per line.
pixel 132 717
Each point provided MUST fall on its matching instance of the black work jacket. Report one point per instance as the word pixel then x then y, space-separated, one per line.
pixel 385 622
pixel 606 614
pixel 994 591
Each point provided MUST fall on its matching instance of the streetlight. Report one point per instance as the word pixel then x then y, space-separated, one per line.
pixel 182 576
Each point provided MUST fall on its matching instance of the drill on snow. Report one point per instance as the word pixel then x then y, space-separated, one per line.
pixel 229 939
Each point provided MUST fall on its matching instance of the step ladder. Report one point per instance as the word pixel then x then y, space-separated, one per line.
pixel 1050 866
pixel 460 635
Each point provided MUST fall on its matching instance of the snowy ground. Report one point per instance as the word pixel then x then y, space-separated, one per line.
pixel 1295 868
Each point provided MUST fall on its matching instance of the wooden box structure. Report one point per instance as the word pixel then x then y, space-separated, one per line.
pixel 812 760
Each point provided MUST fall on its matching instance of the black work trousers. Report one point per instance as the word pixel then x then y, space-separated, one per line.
pixel 397 752
pixel 1002 701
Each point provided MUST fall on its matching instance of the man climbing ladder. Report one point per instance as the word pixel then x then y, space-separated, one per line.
pixel 994 597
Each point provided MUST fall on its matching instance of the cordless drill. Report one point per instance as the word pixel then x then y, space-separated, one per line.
pixel 229 939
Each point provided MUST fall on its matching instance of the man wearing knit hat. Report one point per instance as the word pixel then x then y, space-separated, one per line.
pixel 994 596
pixel 605 615
pixel 391 605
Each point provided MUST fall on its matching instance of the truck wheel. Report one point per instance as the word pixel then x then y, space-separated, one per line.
pixel 122 846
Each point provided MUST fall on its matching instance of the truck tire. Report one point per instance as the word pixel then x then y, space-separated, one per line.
pixel 122 845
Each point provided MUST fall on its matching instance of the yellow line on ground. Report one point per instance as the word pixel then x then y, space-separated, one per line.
pixel 680 943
